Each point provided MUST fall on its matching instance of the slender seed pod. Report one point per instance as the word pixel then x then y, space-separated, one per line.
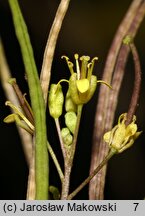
pixel 70 121
pixel 55 100
pixel 66 136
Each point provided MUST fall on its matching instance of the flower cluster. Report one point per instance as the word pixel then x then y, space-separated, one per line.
pixel 82 85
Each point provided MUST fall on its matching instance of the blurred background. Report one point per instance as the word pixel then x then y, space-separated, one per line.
pixel 88 29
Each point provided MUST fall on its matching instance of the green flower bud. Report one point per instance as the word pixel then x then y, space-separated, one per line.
pixel 66 136
pixel 55 100
pixel 69 104
pixel 70 121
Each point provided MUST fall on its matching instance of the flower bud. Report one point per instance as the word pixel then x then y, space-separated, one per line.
pixel 66 136
pixel 55 100
pixel 70 121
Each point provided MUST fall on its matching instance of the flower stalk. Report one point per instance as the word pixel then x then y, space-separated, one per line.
pixel 87 180
pixel 128 40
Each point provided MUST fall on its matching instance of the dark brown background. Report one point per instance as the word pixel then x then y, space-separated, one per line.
pixel 88 29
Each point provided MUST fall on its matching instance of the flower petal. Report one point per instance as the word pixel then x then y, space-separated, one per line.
pixel 131 129
pixel 107 136
pixel 83 85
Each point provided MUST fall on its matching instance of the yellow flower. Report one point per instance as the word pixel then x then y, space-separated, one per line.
pixel 121 136
pixel 82 84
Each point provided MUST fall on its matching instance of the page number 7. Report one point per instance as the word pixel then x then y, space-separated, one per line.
pixel 135 206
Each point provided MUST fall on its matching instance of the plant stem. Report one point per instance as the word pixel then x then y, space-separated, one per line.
pixel 57 165
pixel 60 138
pixel 87 180
pixel 37 101
pixel 79 113
pixel 66 181
pixel 137 84
pixel 50 47
pixel 68 162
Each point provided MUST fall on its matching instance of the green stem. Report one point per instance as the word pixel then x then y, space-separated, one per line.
pixel 79 113
pixel 54 158
pixel 37 101
pixel 60 138
pixel 68 162
pixel 87 180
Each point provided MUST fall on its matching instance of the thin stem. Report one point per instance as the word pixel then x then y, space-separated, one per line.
pixel 60 137
pixel 66 181
pixel 79 113
pixel 137 84
pixel 87 180
pixel 50 47
pixel 70 156
pixel 37 101
pixel 107 101
pixel 57 165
